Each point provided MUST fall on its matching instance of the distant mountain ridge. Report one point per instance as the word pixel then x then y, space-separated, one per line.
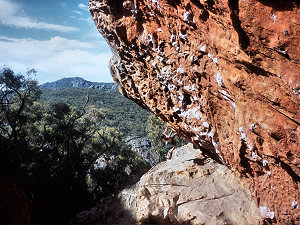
pixel 78 82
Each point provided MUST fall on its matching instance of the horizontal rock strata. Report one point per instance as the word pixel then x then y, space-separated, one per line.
pixel 225 75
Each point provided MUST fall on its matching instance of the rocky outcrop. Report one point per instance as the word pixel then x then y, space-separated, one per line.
pixel 78 82
pixel 141 146
pixel 225 75
pixel 188 189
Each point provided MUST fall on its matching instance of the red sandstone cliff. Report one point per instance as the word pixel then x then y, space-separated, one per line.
pixel 222 73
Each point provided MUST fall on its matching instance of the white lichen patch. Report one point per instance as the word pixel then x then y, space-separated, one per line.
pixel 273 188
pixel 165 71
pixel 180 98
pixel 168 62
pixel 269 173
pixel 281 51
pixel 159 29
pixel 205 124
pixel 254 156
pixel 219 154
pixel 134 9
pixel 188 88
pixel 180 82
pixel 296 91
pixel 150 38
pixel 172 38
pixel 162 78
pixel 187 17
pixel 195 98
pixel 211 134
pixel 180 70
pixel 171 87
pixel 192 113
pixel 243 134
pixel 295 205
pixel 219 79
pixel 196 138
pixel 183 36
pixel 195 129
pixel 196 114
pixel 159 58
pixel 250 146
pixel 203 48
pixel 157 4
pixel 193 58
pixel 265 162
pixel 215 60
pixel 266 213
pixel 225 95
pixel 273 17
pixel 252 126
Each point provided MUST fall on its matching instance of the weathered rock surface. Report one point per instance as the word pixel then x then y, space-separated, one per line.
pixel 141 146
pixel 222 73
pixel 188 189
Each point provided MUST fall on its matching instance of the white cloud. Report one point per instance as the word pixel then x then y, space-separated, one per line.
pixel 83 6
pixel 11 15
pixel 88 20
pixel 78 12
pixel 56 58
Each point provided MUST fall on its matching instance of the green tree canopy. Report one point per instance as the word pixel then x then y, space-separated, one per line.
pixel 49 149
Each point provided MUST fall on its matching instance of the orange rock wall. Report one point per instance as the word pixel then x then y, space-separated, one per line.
pixel 225 75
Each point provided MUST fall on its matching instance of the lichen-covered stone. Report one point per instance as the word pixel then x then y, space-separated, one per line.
pixel 225 75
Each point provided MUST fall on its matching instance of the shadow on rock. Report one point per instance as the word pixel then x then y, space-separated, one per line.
pixel 188 189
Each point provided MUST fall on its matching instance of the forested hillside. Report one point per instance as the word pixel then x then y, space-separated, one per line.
pixel 65 147
pixel 123 114
pixel 63 156
pixel 77 82
pixel 120 113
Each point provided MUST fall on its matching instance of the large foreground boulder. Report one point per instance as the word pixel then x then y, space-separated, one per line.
pixel 225 75
pixel 191 188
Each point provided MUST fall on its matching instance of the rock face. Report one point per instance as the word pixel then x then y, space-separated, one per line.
pixel 141 146
pixel 188 189
pixel 225 75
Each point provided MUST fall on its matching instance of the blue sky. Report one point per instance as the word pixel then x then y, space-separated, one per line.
pixel 56 37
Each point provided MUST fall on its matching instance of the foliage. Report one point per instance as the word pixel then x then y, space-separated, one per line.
pixel 17 95
pixel 49 149
pixel 123 114
pixel 155 129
